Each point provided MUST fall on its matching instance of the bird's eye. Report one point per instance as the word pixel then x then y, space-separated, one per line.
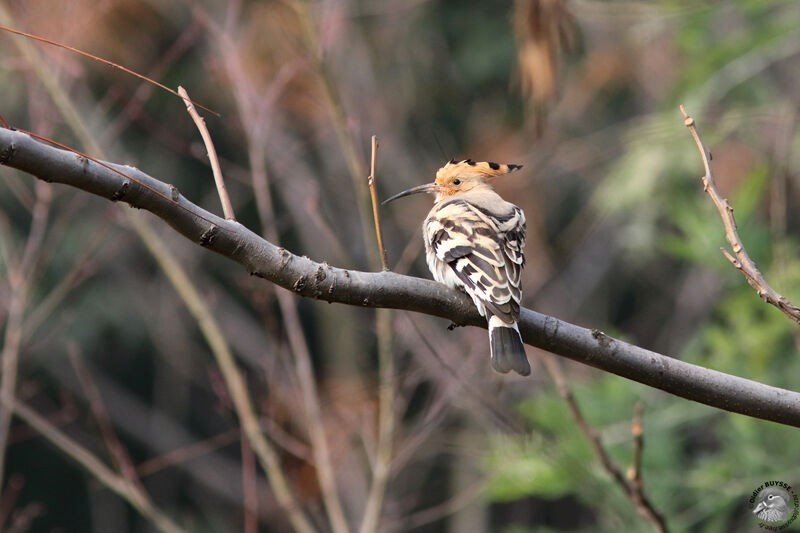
pixel 456 182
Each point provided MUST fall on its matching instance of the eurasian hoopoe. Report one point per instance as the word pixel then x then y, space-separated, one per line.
pixel 474 241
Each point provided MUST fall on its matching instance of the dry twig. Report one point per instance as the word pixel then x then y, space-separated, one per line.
pixel 386 401
pixel 267 456
pixel 374 196
pixel 101 60
pixel 308 278
pixel 20 279
pixel 636 495
pixel 288 306
pixel 187 453
pixel 96 405
pixel 131 492
pixel 227 208
pixel 637 429
pixel 249 487
pixel 741 260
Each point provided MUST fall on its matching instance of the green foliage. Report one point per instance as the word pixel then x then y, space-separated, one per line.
pixel 621 237
pixel 653 194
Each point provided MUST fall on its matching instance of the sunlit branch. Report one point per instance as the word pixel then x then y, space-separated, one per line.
pixel 311 279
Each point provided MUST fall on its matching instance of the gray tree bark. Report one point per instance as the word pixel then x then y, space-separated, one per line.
pixel 310 279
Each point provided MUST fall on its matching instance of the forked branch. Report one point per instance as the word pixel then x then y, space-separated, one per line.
pixel 386 289
pixel 633 488
pixel 740 259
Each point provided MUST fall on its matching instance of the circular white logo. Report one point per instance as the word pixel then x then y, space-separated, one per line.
pixel 775 505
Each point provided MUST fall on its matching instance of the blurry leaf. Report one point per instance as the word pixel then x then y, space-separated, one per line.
pixel 749 193
pixel 527 466
pixel 543 29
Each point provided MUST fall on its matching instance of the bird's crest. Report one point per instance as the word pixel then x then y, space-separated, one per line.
pixel 459 177
pixel 472 169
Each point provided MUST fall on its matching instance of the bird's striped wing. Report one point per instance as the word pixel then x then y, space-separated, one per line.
pixel 484 250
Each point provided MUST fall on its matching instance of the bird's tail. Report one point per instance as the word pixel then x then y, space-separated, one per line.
pixel 506 347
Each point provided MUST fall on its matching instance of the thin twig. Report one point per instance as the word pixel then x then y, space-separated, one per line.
pixel 101 60
pixel 254 131
pixel 93 396
pixel 227 208
pixel 20 279
pixel 307 278
pixel 133 108
pixel 637 497
pixel 234 380
pixel 330 91
pixel 95 253
pixel 62 417
pixel 374 197
pixel 187 453
pixel 741 260
pixel 386 400
pixel 637 429
pixel 11 492
pixel 267 456
pixel 448 507
pixel 23 518
pixel 123 487
pixel 249 487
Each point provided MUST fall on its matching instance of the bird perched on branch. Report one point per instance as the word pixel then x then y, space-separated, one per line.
pixel 474 241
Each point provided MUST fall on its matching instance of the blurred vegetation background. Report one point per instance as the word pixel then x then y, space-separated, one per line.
pixel 621 237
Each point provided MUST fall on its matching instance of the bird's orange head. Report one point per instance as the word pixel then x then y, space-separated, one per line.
pixel 458 177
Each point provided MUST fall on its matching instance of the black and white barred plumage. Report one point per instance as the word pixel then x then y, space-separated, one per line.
pixel 474 241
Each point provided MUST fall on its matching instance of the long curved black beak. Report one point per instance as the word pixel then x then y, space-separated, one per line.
pixel 428 187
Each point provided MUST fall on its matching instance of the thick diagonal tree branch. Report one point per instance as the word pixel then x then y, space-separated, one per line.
pixel 386 289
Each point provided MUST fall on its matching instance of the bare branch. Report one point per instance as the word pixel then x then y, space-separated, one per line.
pixel 227 208
pixel 374 197
pixel 187 453
pixel 101 60
pixel 96 405
pixel 386 289
pixel 634 492
pixel 637 429
pixel 20 279
pixel 131 492
pixel 638 495
pixel 741 260
pixel 249 487
pixel 386 403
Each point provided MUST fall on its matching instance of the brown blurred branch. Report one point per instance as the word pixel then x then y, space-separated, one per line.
pixel 386 289
pixel 185 288
pixel 20 277
pixel 234 380
pixel 96 405
pixel 131 492
pixel 634 491
pixel 249 487
pixel 254 131
pixel 741 260
pixel 637 429
pixel 187 453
